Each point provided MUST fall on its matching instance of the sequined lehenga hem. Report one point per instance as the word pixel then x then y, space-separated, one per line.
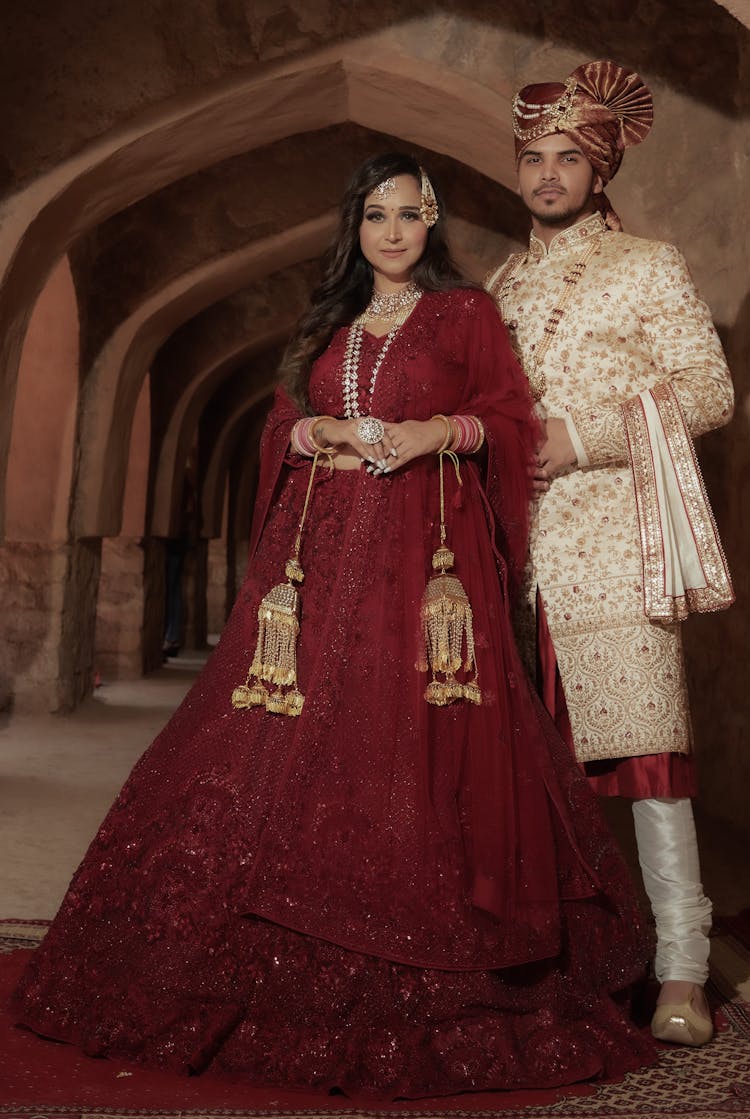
pixel 305 1013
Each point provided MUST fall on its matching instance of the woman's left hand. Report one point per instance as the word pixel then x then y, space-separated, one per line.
pixel 409 440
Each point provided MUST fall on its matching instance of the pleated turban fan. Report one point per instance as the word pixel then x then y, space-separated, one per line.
pixel 602 107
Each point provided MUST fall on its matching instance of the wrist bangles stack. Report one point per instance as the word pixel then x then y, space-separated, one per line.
pixel 464 435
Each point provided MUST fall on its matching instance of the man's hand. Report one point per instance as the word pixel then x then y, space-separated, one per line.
pixel 557 453
pixel 539 480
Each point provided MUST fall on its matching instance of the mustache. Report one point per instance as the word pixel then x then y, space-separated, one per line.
pixel 541 189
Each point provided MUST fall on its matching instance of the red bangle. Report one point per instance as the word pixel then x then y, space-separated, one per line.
pixel 469 434
pixel 301 440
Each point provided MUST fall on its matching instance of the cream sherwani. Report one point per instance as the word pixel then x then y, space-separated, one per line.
pixel 633 320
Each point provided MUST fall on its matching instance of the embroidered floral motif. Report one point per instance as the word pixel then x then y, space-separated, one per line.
pixel 636 321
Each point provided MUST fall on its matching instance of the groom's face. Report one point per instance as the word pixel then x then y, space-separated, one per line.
pixel 556 180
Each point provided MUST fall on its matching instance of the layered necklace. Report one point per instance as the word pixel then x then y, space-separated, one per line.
pixel 393 308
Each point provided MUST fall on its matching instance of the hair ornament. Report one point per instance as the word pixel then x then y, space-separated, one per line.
pixel 428 207
pixel 385 189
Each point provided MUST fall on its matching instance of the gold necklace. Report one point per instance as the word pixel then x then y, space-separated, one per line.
pixel 398 306
pixel 391 307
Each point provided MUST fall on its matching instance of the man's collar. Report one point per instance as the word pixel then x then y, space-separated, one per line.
pixel 567 239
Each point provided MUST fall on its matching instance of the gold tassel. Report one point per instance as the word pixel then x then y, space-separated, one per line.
pixel 275 659
pixel 447 621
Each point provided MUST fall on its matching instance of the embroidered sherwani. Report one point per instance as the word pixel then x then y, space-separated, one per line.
pixel 632 321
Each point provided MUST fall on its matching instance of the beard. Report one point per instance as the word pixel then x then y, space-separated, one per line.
pixel 567 214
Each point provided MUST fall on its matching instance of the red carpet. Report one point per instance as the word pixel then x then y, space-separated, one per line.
pixel 47 1080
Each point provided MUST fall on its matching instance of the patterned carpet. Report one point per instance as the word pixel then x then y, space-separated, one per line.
pixel 45 1080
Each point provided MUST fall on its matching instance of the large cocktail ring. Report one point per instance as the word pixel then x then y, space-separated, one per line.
pixel 370 430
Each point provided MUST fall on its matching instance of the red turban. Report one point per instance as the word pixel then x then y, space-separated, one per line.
pixel 602 107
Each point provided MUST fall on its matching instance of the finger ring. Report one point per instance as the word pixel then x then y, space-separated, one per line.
pixel 370 430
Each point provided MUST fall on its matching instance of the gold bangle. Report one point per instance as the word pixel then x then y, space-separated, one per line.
pixel 449 434
pixel 321 450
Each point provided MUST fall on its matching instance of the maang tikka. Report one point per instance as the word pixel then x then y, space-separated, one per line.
pixel 385 189
pixel 428 206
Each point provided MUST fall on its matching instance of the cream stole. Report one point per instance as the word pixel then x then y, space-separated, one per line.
pixel 684 568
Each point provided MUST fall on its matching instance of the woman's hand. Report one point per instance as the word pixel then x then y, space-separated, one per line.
pixel 342 434
pixel 409 440
pixel 401 442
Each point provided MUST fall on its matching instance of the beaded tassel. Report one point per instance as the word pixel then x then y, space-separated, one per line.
pixel 447 621
pixel 275 659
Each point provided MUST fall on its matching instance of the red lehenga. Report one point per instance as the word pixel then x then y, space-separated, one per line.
pixel 380 895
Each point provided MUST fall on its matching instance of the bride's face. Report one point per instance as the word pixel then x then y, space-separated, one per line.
pixel 392 235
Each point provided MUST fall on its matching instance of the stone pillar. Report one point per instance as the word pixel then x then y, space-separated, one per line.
pixel 48 604
pixel 240 563
pixel 76 664
pixel 120 610
pixel 154 593
pixel 195 582
pixel 45 581
pixel 32 589
pixel 216 591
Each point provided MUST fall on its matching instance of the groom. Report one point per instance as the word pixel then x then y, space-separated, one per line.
pixel 625 364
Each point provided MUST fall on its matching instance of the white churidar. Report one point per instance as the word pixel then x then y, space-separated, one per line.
pixel 668 854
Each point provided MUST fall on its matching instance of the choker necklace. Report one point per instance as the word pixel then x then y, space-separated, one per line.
pixel 399 306
pixel 394 306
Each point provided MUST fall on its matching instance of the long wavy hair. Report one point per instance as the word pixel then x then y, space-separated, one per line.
pixel 346 286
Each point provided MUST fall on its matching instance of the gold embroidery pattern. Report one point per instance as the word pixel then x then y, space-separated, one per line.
pixel 636 321
pixel 665 333
pixel 534 365
pixel 498 282
pixel 626 692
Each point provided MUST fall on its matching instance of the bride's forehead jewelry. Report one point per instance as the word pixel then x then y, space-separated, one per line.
pixel 385 189
pixel 428 207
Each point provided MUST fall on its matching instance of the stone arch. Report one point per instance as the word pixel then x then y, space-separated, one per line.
pixel 186 414
pixel 189 131
pixel 212 494
pixel 740 9
pixel 118 372
pixel 40 459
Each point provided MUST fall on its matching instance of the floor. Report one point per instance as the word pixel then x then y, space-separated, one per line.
pixel 59 774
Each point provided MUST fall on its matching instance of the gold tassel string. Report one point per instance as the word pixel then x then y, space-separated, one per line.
pixel 275 658
pixel 447 621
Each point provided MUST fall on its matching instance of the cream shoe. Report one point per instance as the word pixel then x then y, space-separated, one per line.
pixel 681 1023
